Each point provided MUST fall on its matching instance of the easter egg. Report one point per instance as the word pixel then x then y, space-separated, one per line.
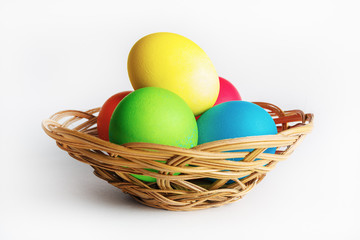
pixel 235 119
pixel 227 92
pixel 153 115
pixel 173 62
pixel 106 112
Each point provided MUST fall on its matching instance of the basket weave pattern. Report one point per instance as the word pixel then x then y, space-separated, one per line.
pixel 76 133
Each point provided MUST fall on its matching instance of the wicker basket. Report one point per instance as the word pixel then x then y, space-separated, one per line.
pixel 76 133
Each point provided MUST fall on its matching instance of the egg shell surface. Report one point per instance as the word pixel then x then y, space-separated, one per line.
pixel 153 115
pixel 227 93
pixel 235 119
pixel 176 63
pixel 106 112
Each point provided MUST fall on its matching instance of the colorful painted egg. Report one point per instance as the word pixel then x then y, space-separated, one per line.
pixel 227 92
pixel 153 115
pixel 106 112
pixel 235 119
pixel 173 62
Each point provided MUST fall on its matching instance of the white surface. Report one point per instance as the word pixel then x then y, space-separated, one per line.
pixel 57 55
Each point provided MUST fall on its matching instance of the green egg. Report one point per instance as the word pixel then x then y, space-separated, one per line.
pixel 153 115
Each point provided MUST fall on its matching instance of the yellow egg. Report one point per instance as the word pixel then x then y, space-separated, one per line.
pixel 173 62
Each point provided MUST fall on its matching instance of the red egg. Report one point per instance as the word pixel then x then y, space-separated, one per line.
pixel 106 112
pixel 227 93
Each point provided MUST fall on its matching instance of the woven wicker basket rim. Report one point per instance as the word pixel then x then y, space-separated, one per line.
pixel 197 150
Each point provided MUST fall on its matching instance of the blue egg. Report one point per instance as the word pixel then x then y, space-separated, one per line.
pixel 235 119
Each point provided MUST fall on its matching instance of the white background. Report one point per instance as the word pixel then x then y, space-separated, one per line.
pixel 58 55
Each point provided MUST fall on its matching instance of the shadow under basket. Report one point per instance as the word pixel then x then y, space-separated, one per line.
pixel 76 133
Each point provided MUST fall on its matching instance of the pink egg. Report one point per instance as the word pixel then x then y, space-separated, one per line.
pixel 227 93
